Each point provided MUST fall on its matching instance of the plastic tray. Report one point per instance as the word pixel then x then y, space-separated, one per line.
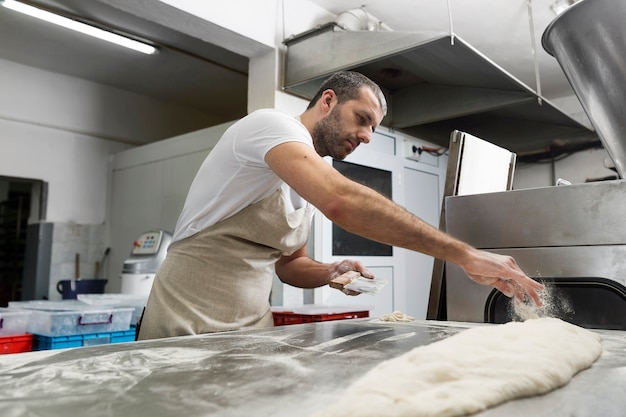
pixel 61 318
pixel 16 344
pixel 315 313
pixel 13 322
pixel 138 302
pixel 92 339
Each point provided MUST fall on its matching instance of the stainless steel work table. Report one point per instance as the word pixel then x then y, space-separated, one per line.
pixel 284 371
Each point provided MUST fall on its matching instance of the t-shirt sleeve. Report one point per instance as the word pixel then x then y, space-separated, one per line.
pixel 265 130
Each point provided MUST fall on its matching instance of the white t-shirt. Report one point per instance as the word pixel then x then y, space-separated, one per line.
pixel 235 174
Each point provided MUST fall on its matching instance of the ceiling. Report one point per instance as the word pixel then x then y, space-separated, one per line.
pixel 192 72
pixel 186 70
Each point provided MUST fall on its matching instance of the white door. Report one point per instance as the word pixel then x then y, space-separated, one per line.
pixel 421 199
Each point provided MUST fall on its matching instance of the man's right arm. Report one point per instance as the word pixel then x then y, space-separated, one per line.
pixel 363 211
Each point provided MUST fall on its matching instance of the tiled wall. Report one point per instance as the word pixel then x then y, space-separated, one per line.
pixel 69 239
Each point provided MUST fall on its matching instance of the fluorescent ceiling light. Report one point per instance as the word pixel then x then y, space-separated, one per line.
pixel 79 27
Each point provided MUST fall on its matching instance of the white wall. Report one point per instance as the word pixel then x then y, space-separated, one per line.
pixel 34 96
pixel 577 168
pixel 248 18
pixel 75 166
pixel 241 25
pixel 59 129
pixel 63 131
pixel 37 142
pixel 149 187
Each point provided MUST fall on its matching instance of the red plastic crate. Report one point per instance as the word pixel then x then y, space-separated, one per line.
pixel 16 344
pixel 282 318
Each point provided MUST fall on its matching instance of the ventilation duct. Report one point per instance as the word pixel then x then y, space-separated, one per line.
pixel 359 19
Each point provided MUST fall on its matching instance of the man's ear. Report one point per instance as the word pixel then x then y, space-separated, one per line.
pixel 328 96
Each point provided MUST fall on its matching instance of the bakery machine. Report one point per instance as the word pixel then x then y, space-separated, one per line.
pixel 148 252
pixel 572 237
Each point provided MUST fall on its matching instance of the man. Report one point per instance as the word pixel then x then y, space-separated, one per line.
pixel 249 210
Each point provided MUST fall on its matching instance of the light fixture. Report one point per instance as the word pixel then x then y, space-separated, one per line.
pixel 79 26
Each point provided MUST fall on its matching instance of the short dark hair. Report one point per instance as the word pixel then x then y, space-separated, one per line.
pixel 347 86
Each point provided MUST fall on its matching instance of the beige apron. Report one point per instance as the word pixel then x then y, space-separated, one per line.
pixel 220 278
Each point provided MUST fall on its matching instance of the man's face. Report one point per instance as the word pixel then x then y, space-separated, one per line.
pixel 347 125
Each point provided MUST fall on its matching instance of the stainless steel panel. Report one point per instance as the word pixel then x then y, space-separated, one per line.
pixel 581 214
pixel 319 53
pixel 553 232
pixel 589 42
pixel 466 299
pixel 282 372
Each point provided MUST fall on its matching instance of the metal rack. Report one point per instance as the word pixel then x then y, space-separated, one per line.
pixel 13 220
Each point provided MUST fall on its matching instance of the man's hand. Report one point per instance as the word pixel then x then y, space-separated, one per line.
pixel 502 273
pixel 339 268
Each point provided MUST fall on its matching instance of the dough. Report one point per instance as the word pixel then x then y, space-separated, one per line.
pixel 472 370
pixel 397 316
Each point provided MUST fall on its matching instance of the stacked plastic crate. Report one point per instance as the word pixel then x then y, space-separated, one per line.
pixel 136 301
pixel 311 313
pixel 72 323
pixel 13 335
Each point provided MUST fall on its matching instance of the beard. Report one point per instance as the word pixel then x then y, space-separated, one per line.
pixel 329 138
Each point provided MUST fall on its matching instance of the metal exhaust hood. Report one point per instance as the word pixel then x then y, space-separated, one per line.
pixel 434 84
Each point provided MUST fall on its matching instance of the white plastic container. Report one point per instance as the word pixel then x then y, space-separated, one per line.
pixel 136 301
pixel 62 318
pixel 13 322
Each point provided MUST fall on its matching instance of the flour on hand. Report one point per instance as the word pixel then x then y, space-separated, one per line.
pixel 472 370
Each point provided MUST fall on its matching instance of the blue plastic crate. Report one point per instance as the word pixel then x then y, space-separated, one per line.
pixel 41 342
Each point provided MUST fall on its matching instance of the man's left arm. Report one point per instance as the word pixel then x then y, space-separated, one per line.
pixel 301 271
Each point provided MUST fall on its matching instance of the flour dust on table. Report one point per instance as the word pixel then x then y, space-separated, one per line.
pixel 471 371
